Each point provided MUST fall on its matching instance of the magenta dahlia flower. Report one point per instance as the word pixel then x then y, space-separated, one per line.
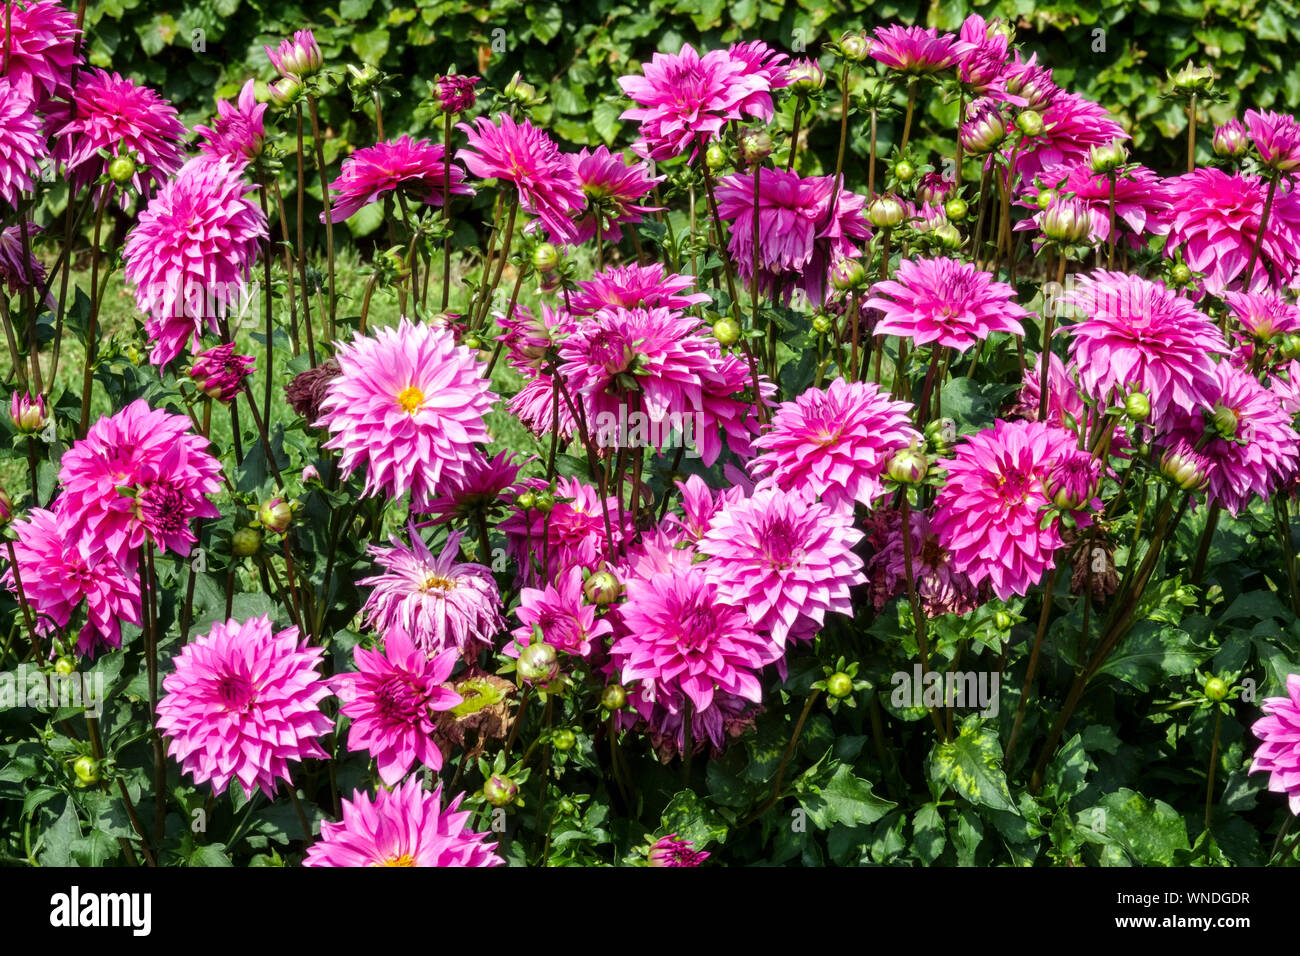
pixel 1216 217
pixel 60 568
pixel 1072 126
pixel 612 186
pixel 671 851
pixel 391 699
pixel 1263 315
pixel 1277 137
pixel 1285 384
pixel 834 442
pixel 680 640
pixel 16 272
pixel 945 301
pixel 297 56
pixel 916 50
pixel 241 703
pixel 454 92
pixel 439 601
pixel 989 513
pixel 403 166
pixel 1279 749
pixel 22 144
pixel 785 559
pixel 1029 81
pixel 238 131
pixel 409 403
pixel 982 65
pixel 40 50
pixel 771 66
pixel 403 827
pixel 191 253
pixel 560 616
pixel 113 114
pixel 1263 452
pixel 528 159
pixel 220 373
pixel 1135 334
pixel 635 286
pixel 137 476
pixel 729 407
pixel 799 234
pixel 685 100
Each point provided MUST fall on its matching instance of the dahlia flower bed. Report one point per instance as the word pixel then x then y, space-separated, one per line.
pixel 701 500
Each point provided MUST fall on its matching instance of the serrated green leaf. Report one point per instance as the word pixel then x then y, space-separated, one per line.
pixel 972 766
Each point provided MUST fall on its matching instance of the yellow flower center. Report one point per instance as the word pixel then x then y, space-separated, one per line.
pixel 438 582
pixel 410 398
pixel 404 860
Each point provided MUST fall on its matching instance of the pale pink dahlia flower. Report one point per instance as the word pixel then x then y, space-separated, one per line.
pixel 60 569
pixel 834 442
pixel 238 131
pixel 945 301
pixel 613 188
pixel 1279 749
pixel 191 253
pixel 560 616
pixel 1135 334
pixel 139 475
pixel 438 600
pixel 989 513
pixel 391 698
pixel 409 403
pixel 403 827
pixel 403 166
pixel 22 144
pixel 528 159
pixel 241 703
pixel 635 286
pixel 784 558
pixel 685 100
pixel 41 49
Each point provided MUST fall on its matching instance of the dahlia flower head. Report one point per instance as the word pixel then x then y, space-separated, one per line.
pixel 409 405
pixel 40 49
pixel 1072 126
pixel 242 703
pixel 112 113
pixel 989 513
pixel 1264 452
pixel 1279 749
pixel 940 586
pixel 1263 316
pixel 308 389
pixel 1135 334
pixel 220 373
pixel 454 92
pixel 634 286
pixel 1276 136
pixel 786 559
pixel 727 719
pixel 916 51
pixel 613 187
pixel 297 56
pixel 528 159
pixel 834 442
pixel 238 131
pixel 60 569
pixel 191 253
pixel 139 475
pixel 982 65
pixel 685 99
pixel 399 167
pixel 799 233
pixel 391 698
pixel 439 601
pixel 406 826
pixel 672 851
pixel 1285 384
pixel 944 301
pixel 1141 201
pixel 1215 218
pixel 529 334
pixel 561 616
pixel 770 65
pixel 22 144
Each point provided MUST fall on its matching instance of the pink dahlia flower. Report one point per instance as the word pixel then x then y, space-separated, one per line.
pixel 22 144
pixel 1279 749
pixel 982 64
pixel 685 100
pixel 1263 315
pixel 1029 81
pixel 1231 139
pixel 1072 126
pixel 1216 219
pixel 1285 384
pixel 527 158
pixel 241 703
pixel 139 475
pixel 1277 137
pixel 771 66
pixel 989 513
pixel 402 166
pixel 391 699
pixel 940 586
pixel 60 569
pixel 634 286
pixel 439 601
pixel 835 443
pixel 671 851
pixel 1134 334
pixel 799 234
pixel 113 114
pixel 191 253
pixel 1141 201
pixel 945 301
pixel 409 403
pixel 784 558
pixel 238 131
pixel 16 272
pixel 41 49
pixel 612 186
pixel 560 616
pixel 454 92
pixel 298 56
pixel 680 640
pixel 1264 451
pixel 403 827
pixel 220 373
pixel 916 50
pixel 728 718
pixel 573 534
pixel 729 407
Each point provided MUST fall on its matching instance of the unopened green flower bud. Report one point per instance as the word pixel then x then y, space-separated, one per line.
pixel 715 157
pixel 726 331
pixel 246 542
pixel 1192 79
pixel 1225 421
pixel 499 790
pixel 121 168
pixel 1137 406
pixel 904 171
pixel 854 46
pixel 538 663
pixel 275 515
pixel 546 257
pixel 613 697
pixel 1030 123
pixel 908 466
pixel 1107 158
pixel 885 212
pixel 956 209
pixel 754 146
pixel 839 685
pixel 821 324
pixel 602 588
pixel 848 274
pixel 1180 274
pixel 1216 688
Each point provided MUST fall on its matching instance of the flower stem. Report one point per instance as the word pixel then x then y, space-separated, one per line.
pixel 1214 760
pixel 329 217
pixel 1247 276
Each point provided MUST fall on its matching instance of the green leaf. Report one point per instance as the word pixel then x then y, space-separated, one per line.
pixel 1149 653
pixel 844 799
pixel 928 834
pixel 1151 831
pixel 1068 771
pixel 972 766
pixel 95 849
pixel 371 46
pixel 56 847
pixel 692 819
pixel 214 854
